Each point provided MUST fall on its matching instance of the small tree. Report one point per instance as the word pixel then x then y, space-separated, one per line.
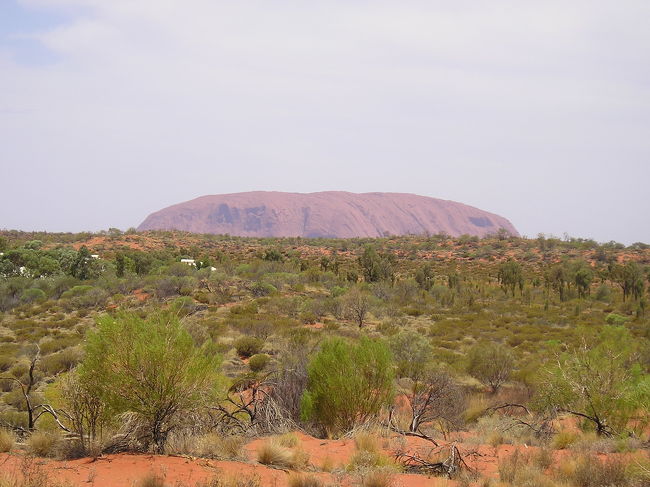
pixel 631 279
pixel 83 408
pixel 357 304
pixel 150 368
pixel 491 363
pixel 412 352
pixel 597 381
pixel 425 277
pixel 510 276
pixel 376 267
pixel 434 397
pixel 348 384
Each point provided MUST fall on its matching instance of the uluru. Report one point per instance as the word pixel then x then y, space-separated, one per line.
pixel 327 214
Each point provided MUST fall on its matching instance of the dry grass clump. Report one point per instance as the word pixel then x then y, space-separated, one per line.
pixel 592 472
pixel 328 464
pixel 231 481
pixel 151 479
pixel 7 440
pixel 28 474
pixel 639 471
pixel 543 459
pixel 525 470
pixel 564 439
pixel 365 441
pixel 272 453
pixel 378 478
pixel 42 444
pixel 288 440
pixel 476 407
pixel 304 480
pixel 368 455
pixel 221 447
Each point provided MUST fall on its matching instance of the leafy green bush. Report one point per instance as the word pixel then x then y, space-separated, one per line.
pixel 349 383
pixel 150 368
pixel 248 346
pixel 491 363
pixel 258 362
pixel 598 382
pixel 33 295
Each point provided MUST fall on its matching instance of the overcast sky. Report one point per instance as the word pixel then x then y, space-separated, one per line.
pixel 537 111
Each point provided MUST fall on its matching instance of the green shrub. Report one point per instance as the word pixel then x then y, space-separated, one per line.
pixel 33 295
pixel 348 383
pixel 258 362
pixel 151 368
pixel 615 319
pixel 491 363
pixel 564 439
pixel 248 346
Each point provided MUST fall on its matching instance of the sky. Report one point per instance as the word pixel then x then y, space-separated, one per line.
pixel 537 111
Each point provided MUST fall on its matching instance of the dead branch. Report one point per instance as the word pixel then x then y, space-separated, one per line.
pixel 414 463
pixel 508 405
pixel 390 424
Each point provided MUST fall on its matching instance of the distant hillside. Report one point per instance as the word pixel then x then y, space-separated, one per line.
pixel 335 214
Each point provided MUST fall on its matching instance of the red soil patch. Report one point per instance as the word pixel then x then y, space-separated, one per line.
pixel 141 295
pixel 123 470
pixel 126 470
pixel 315 326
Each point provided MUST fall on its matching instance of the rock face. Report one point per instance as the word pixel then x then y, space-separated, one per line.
pixel 334 214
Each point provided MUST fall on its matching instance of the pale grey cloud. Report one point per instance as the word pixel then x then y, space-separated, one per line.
pixel 536 110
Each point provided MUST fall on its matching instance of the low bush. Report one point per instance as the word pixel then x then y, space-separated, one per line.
pixel 151 480
pixel 592 472
pixel 288 440
pixel 7 440
pixel 378 478
pixel 222 447
pixel 368 455
pixel 271 453
pixel 304 480
pixel 365 441
pixel 248 346
pixel 521 470
pixel 564 439
pixel 42 444
pixel 258 362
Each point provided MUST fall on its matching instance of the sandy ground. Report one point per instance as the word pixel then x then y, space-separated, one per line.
pixel 124 470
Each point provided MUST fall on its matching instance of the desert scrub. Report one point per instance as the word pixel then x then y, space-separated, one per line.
pixel 288 440
pixel 222 447
pixel 7 440
pixel 589 471
pixel 248 346
pixel 304 480
pixel 521 470
pixel 258 362
pixel 564 439
pixel 380 477
pixel 42 444
pixel 151 480
pixel 368 455
pixel 272 453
